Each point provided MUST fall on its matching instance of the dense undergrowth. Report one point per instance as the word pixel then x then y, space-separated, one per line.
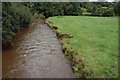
pixel 15 16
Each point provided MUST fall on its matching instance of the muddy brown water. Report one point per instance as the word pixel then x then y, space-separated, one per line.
pixel 36 53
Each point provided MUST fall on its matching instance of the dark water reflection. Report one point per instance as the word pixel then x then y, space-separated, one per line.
pixel 11 55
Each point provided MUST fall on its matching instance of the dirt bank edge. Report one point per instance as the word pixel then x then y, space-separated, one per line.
pixel 71 55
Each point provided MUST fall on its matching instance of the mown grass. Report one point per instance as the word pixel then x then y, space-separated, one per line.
pixel 95 39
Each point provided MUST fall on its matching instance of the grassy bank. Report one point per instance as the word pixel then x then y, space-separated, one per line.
pixel 94 44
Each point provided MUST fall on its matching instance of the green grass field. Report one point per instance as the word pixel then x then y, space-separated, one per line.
pixel 96 41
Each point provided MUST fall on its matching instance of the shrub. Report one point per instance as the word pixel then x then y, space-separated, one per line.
pixel 102 11
pixel 15 15
pixel 108 12
pixel 117 8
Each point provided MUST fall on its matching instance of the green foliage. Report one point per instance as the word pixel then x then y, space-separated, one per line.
pixel 58 9
pixel 108 12
pixel 85 11
pixel 99 9
pixel 15 16
pixel 102 11
pixel 117 8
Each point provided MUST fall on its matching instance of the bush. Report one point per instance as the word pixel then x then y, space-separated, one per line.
pixel 108 12
pixel 117 8
pixel 103 11
pixel 15 15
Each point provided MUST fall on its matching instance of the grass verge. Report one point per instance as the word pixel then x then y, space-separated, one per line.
pixel 93 48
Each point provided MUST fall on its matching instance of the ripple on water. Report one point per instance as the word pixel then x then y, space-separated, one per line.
pixel 38 55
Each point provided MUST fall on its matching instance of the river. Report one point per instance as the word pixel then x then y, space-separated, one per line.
pixel 36 53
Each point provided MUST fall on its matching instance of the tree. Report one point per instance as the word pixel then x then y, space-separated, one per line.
pixel 108 12
pixel 14 17
pixel 117 8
